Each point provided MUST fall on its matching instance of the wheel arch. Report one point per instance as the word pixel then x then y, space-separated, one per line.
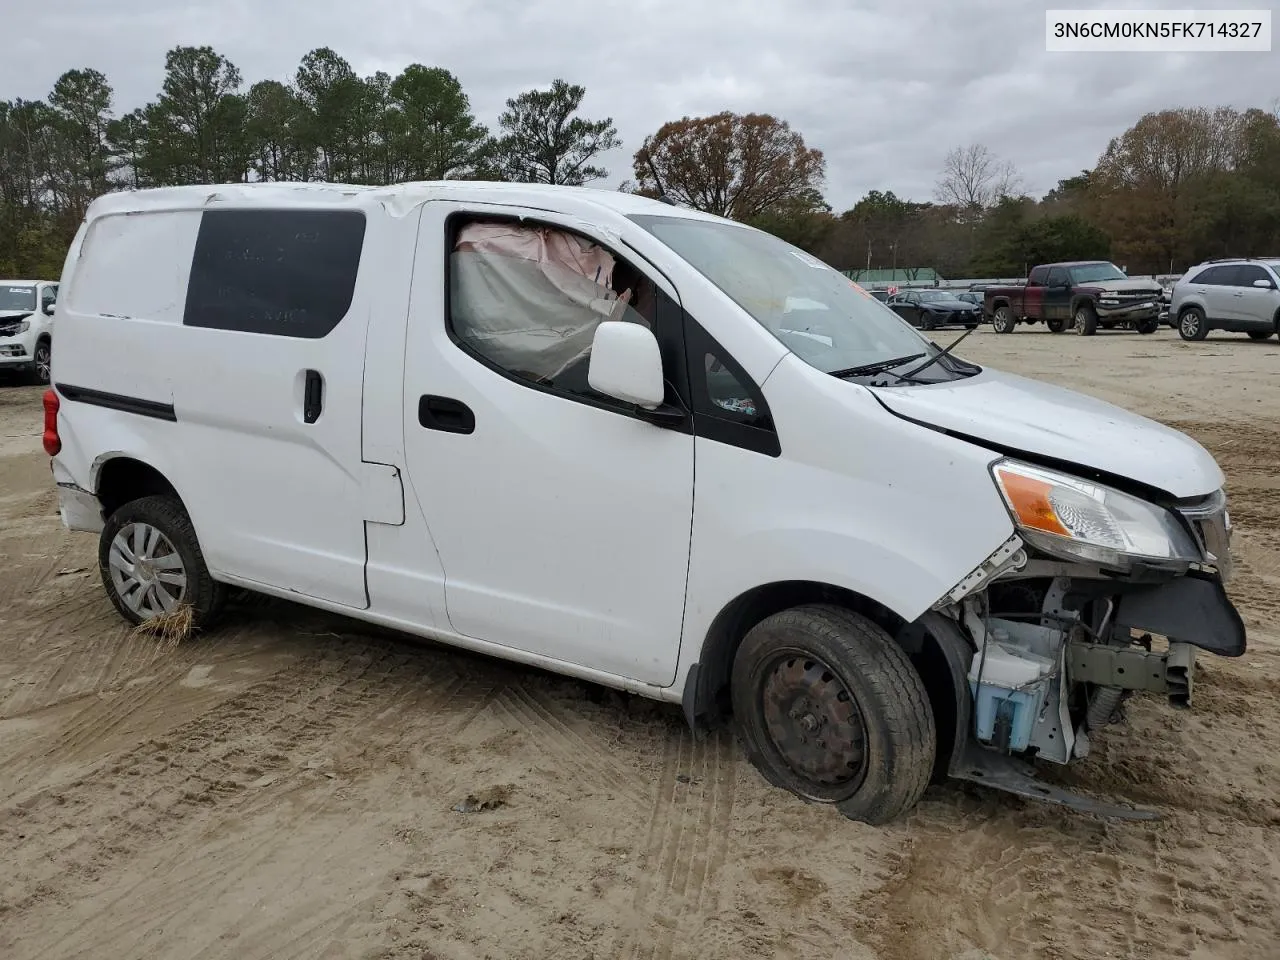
pixel 120 478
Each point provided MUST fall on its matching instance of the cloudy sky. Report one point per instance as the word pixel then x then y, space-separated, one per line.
pixel 884 87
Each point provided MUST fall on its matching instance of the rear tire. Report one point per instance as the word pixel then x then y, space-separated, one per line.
pixel 1003 320
pixel 1085 320
pixel 1148 326
pixel 1259 334
pixel 1192 324
pixel 151 562
pixel 1056 326
pixel 830 708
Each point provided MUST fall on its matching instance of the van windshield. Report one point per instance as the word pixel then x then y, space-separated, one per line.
pixel 814 310
pixel 17 297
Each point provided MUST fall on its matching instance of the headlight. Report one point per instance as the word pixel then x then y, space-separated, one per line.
pixel 1070 517
pixel 23 327
pixel 1109 301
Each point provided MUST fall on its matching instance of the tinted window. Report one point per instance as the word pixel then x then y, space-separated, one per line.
pixel 1246 274
pixel 1037 276
pixel 1207 276
pixel 1057 277
pixel 289 273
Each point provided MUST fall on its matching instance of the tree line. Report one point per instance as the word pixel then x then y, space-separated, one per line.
pixel 1178 186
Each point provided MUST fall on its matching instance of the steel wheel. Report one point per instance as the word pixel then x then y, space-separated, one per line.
pixel 814 724
pixel 43 358
pixel 146 570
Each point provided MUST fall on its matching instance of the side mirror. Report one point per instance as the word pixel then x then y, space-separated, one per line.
pixel 626 364
pixel 48 307
pixel 1264 284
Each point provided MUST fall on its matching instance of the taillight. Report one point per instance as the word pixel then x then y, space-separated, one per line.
pixel 52 442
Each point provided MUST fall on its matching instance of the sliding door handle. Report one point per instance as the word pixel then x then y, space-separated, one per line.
pixel 445 413
pixel 312 397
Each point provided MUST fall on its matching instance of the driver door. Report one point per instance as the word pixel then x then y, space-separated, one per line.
pixel 562 517
pixel 1057 296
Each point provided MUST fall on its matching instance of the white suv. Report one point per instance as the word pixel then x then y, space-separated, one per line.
pixel 1238 296
pixel 26 326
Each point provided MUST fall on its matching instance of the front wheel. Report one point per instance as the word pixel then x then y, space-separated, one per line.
pixel 829 707
pixel 1192 324
pixel 1085 320
pixel 42 362
pixel 151 563
pixel 1003 321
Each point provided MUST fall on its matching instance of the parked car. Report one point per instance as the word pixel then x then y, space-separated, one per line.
pixel 931 309
pixel 471 412
pixel 26 326
pixel 1086 294
pixel 972 296
pixel 1237 296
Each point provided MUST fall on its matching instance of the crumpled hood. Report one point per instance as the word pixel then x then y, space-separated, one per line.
pixel 1018 413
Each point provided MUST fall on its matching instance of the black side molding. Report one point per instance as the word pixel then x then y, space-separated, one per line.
pixel 118 401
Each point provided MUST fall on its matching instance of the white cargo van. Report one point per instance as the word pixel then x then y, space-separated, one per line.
pixel 635 444
pixel 26 326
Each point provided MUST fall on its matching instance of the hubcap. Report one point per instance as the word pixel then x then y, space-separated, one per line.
pixel 814 723
pixel 42 363
pixel 1080 320
pixel 146 570
pixel 1189 324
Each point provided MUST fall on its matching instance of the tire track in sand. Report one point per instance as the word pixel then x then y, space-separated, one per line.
pixel 686 845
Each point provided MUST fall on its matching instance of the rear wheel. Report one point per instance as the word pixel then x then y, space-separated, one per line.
pixel 1259 334
pixel 829 707
pixel 1056 326
pixel 1148 326
pixel 1192 325
pixel 151 563
pixel 1085 320
pixel 1003 321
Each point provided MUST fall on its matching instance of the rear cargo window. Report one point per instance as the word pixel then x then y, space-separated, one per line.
pixel 286 273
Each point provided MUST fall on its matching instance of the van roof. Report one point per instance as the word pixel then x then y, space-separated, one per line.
pixel 398 199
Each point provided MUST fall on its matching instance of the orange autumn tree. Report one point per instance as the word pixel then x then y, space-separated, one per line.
pixel 742 166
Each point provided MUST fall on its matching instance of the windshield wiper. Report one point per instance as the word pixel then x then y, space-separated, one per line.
pixel 880 366
pixel 937 356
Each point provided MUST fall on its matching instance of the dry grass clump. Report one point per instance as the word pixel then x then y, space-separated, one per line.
pixel 170 628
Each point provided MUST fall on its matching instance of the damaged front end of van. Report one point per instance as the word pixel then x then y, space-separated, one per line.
pixel 1099 594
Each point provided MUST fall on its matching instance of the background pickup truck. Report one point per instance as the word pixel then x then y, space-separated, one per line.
pixel 1084 294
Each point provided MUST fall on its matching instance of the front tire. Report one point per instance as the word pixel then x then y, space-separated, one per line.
pixel 829 707
pixel 1003 321
pixel 1085 320
pixel 151 563
pixel 1192 324
pixel 42 362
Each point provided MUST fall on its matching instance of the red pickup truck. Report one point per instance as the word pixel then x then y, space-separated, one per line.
pixel 1085 294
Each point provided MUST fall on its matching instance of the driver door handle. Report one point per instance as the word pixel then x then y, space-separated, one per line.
pixel 445 414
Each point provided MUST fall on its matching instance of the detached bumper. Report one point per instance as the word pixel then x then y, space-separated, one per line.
pixel 80 509
pixel 1136 312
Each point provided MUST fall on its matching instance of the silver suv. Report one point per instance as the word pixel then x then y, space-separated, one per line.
pixel 1239 296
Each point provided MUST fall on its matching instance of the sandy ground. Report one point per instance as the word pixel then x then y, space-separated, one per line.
pixel 284 787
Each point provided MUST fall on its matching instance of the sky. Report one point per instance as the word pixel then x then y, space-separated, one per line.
pixel 884 88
